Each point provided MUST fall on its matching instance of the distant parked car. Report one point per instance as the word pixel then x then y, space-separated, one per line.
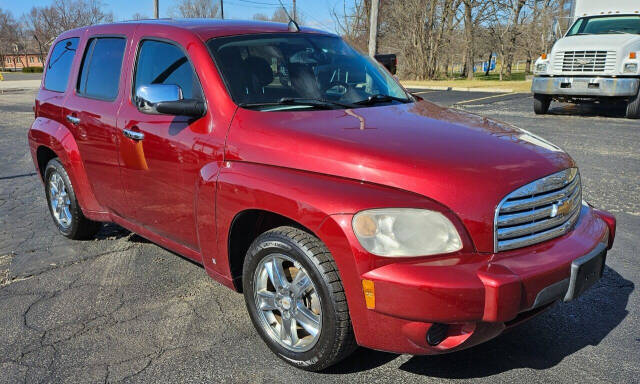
pixel 390 61
pixel 299 173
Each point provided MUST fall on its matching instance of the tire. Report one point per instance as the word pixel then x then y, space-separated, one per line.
pixel 302 251
pixel 633 107
pixel 541 104
pixel 71 222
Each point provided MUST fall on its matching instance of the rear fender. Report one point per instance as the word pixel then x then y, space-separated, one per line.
pixel 55 136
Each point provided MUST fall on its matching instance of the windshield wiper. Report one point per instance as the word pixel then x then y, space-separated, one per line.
pixel 623 32
pixel 314 102
pixel 318 103
pixel 380 98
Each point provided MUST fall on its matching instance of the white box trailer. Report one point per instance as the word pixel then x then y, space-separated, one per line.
pixel 597 59
pixel 582 8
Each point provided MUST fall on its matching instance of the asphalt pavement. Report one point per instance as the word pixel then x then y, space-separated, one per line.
pixel 121 309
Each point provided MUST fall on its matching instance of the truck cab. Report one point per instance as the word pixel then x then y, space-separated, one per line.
pixel 596 60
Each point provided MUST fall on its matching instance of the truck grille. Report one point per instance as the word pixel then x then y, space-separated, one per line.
pixel 539 211
pixel 585 61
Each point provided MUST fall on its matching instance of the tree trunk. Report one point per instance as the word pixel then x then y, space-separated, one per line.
pixel 513 36
pixel 468 29
pixel 486 73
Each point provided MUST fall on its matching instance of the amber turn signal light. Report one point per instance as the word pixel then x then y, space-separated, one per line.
pixel 369 293
pixel 544 56
pixel 632 55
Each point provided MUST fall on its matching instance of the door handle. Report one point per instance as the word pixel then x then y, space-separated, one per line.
pixel 133 135
pixel 73 120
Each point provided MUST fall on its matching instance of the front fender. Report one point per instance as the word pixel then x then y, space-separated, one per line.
pixel 323 204
pixel 55 136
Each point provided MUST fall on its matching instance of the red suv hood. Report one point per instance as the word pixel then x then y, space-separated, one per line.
pixel 464 161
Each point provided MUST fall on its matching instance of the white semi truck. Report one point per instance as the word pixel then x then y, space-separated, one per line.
pixel 598 59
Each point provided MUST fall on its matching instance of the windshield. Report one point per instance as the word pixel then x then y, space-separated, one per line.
pixel 298 70
pixel 599 25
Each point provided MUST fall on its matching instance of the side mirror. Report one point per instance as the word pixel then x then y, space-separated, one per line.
pixel 167 99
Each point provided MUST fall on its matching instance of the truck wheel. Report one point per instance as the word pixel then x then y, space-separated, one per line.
pixel 633 107
pixel 63 205
pixel 295 298
pixel 541 103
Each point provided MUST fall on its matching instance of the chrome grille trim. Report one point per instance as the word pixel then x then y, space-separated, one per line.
pixel 539 211
pixel 536 201
pixel 584 61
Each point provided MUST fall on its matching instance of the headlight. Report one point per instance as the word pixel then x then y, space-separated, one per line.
pixel 405 232
pixel 630 68
pixel 541 67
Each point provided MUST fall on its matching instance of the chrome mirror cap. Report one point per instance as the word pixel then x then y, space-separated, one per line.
pixel 148 96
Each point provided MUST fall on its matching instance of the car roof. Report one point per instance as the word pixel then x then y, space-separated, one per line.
pixel 210 28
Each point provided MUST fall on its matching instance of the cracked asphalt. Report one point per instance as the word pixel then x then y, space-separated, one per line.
pixel 121 309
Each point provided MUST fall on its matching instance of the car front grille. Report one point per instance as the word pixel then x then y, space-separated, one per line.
pixel 585 61
pixel 539 211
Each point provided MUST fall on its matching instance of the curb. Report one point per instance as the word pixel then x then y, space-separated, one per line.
pixel 12 90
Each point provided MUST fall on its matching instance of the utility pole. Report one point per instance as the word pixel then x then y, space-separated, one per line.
pixel 156 9
pixel 295 16
pixel 222 9
pixel 373 27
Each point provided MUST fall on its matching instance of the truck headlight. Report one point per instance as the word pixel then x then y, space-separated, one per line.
pixel 630 68
pixel 405 232
pixel 541 68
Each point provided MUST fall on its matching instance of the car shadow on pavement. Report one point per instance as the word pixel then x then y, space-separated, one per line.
pixel 614 110
pixel 540 343
pixel 114 231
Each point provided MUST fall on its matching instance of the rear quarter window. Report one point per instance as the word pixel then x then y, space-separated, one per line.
pixel 59 64
pixel 101 66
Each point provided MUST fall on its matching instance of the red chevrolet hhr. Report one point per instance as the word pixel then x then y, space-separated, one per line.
pixel 300 173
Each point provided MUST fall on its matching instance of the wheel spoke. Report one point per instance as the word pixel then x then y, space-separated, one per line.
pixel 67 214
pixel 307 319
pixel 266 300
pixel 301 283
pixel 276 273
pixel 53 188
pixel 288 333
pixel 60 184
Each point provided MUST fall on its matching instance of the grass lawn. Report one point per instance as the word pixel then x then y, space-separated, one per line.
pixel 516 83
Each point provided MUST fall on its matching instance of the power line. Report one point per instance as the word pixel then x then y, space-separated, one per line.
pixel 259 2
pixel 254 6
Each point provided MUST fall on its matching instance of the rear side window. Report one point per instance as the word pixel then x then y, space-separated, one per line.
pixel 160 62
pixel 59 65
pixel 101 66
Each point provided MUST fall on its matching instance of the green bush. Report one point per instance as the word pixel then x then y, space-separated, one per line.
pixel 32 69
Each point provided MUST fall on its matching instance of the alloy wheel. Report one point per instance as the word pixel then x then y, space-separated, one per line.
pixel 287 301
pixel 59 200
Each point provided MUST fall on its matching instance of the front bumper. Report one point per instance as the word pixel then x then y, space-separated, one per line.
pixel 477 295
pixel 585 86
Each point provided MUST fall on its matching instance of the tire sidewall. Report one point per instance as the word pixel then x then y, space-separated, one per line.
pixel 633 107
pixel 55 166
pixel 271 243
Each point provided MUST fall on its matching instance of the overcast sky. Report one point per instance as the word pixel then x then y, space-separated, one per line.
pixel 316 13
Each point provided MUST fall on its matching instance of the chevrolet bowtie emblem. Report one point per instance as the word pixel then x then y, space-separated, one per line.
pixel 583 61
pixel 560 208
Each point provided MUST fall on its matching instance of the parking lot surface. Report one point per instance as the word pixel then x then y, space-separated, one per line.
pixel 121 309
